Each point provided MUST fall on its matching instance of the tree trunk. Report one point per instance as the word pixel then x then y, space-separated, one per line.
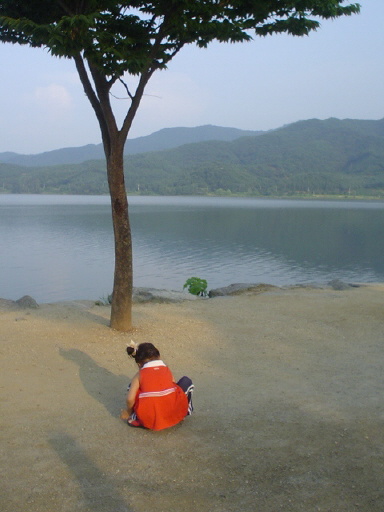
pixel 121 313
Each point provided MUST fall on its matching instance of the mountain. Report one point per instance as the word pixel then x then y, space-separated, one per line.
pixel 313 157
pixel 317 157
pixel 164 139
pixel 55 157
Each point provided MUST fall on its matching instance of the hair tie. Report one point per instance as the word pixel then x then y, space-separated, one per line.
pixel 133 345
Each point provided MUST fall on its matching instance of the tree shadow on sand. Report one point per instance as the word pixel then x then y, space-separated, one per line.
pixel 101 384
pixel 98 491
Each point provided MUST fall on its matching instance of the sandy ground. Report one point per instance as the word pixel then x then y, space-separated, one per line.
pixel 289 406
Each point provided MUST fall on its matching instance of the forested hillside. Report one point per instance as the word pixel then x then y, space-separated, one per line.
pixel 308 157
pixel 163 139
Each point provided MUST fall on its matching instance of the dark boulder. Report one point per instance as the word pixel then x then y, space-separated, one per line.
pixel 240 288
pixel 27 302
pixel 154 295
pixel 337 284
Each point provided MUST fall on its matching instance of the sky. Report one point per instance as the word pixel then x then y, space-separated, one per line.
pixel 337 71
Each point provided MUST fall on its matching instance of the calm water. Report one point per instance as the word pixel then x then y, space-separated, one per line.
pixel 61 247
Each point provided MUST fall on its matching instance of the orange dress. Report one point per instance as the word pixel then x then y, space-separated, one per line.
pixel 160 403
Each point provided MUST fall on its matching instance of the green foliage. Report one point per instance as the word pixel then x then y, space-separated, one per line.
pixel 118 37
pixel 196 286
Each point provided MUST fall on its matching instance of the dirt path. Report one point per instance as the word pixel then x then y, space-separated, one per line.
pixel 289 406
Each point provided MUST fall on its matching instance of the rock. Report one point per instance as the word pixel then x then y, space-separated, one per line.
pixel 27 302
pixel 337 284
pixel 8 305
pixel 241 288
pixel 153 295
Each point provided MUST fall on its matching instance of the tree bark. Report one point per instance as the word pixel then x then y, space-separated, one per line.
pixel 121 313
pixel 113 142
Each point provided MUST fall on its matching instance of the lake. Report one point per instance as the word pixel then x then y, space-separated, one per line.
pixel 61 247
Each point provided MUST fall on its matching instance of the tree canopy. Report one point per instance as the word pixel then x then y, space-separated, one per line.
pixel 120 37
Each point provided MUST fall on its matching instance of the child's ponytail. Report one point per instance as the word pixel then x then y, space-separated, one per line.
pixel 142 352
pixel 132 349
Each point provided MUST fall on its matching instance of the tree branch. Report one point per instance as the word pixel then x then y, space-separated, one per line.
pixel 95 102
pixel 136 99
pixel 126 88
pixel 102 89
pixel 146 74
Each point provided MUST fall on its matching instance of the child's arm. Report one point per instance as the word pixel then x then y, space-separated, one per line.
pixel 132 392
pixel 131 397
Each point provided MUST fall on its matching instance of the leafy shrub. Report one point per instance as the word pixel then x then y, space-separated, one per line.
pixel 196 286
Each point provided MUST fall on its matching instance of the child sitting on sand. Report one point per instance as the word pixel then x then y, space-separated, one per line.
pixel 154 400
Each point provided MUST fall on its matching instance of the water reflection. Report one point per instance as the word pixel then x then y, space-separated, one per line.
pixel 275 245
pixel 59 248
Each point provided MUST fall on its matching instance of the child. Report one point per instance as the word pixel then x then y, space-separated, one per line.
pixel 154 400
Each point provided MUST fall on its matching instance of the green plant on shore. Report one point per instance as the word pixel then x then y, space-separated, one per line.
pixel 196 286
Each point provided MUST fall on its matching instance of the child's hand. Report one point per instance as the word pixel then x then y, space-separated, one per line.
pixel 124 415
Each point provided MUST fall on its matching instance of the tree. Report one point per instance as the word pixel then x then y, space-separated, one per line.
pixel 113 41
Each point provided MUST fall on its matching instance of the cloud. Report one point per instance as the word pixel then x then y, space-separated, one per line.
pixel 52 96
pixel 47 120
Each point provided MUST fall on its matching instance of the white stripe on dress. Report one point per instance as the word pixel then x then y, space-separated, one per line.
pixel 164 392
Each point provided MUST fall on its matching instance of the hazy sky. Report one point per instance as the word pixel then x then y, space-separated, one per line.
pixel 337 71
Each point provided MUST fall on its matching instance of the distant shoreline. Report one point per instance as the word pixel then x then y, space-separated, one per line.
pixel 143 295
pixel 313 197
